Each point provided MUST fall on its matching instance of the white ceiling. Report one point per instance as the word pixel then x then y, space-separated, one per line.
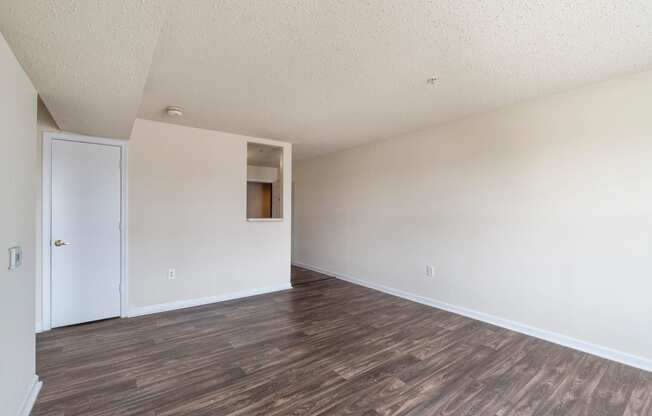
pixel 88 59
pixel 323 74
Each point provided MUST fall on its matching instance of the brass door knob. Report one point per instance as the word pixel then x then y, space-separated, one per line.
pixel 59 243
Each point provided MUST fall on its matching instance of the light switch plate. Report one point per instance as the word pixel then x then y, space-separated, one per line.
pixel 15 257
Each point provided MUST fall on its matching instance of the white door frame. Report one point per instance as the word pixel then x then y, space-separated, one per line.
pixel 46 218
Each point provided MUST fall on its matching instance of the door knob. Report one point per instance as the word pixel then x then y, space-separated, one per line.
pixel 59 243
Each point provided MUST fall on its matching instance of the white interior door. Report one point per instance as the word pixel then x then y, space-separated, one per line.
pixel 85 232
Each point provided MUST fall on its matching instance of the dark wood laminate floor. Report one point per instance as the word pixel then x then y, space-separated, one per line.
pixel 325 348
pixel 301 276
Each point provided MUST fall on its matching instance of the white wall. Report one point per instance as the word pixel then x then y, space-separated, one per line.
pixel 17 205
pixel 540 213
pixel 187 210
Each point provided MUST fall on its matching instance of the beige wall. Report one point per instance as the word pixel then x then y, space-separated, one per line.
pixel 540 213
pixel 187 211
pixel 178 175
pixel 17 205
pixel 262 174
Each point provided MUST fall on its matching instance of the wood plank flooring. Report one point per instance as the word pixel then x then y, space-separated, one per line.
pixel 324 348
pixel 301 276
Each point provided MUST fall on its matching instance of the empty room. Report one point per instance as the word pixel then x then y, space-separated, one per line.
pixel 325 207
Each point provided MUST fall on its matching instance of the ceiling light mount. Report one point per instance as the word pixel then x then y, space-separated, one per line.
pixel 174 111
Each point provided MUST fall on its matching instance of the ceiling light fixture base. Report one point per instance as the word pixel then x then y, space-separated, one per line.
pixel 174 111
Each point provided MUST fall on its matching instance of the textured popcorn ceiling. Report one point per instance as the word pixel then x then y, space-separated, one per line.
pixel 88 59
pixel 323 74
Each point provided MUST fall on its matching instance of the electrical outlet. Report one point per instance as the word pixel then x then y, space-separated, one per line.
pixel 430 270
pixel 172 274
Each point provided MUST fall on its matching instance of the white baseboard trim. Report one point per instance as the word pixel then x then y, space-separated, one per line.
pixel 170 306
pixel 30 398
pixel 566 341
pixel 38 328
